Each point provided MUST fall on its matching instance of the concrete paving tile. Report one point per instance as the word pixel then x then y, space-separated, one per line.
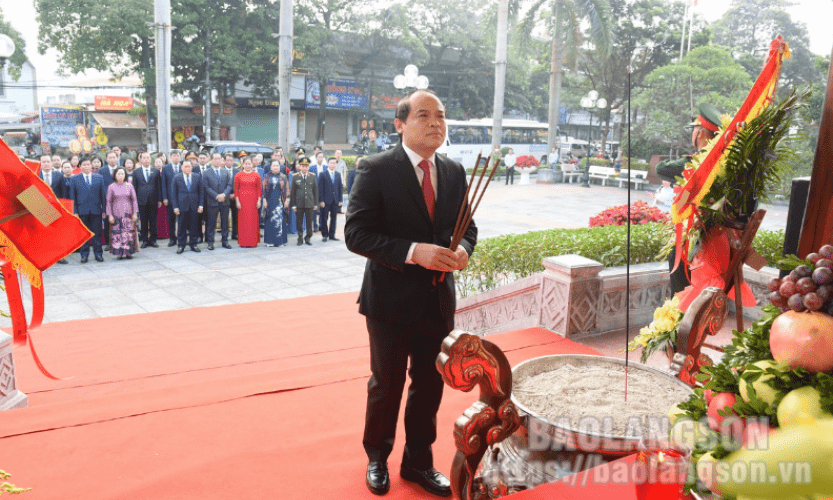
pixel 303 279
pixel 282 273
pixel 205 276
pixel 53 289
pixel 235 271
pixel 70 316
pixel 252 278
pixel 318 288
pixel 151 295
pixel 78 276
pixel 95 293
pixel 122 310
pixel 327 275
pixel 204 298
pixel 272 285
pixel 251 297
pixel 136 286
pixel 289 293
pixel 348 282
pixel 163 305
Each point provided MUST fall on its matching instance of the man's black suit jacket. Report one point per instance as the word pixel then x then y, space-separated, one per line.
pixel 386 213
pixel 148 192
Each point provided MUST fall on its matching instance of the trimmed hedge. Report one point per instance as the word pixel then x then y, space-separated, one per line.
pixel 504 259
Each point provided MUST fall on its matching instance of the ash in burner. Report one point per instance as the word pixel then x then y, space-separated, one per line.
pixel 598 392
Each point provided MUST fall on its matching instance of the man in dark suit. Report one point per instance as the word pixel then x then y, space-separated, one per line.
pixel 303 196
pixel 51 174
pixel 148 184
pixel 187 194
pixel 218 187
pixel 329 198
pixel 168 172
pixel 88 195
pixel 228 162
pixel 401 216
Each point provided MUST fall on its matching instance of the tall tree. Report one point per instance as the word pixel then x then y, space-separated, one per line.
pixel 647 33
pixel 564 21
pixel 706 73
pixel 19 56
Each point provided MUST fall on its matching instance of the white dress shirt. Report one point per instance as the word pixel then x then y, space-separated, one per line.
pixel 415 160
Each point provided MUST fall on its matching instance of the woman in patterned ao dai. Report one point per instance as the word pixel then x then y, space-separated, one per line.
pixel 122 211
pixel 275 193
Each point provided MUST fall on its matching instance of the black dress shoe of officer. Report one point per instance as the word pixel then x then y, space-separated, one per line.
pixel 154 245
pixel 226 245
pixel 171 243
pixel 144 245
pixel 431 480
pixel 300 242
pixel 195 249
pixel 180 250
pixel 99 258
pixel 84 260
pixel 211 246
pixel 378 479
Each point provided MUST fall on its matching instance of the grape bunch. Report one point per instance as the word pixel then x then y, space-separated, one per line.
pixel 807 287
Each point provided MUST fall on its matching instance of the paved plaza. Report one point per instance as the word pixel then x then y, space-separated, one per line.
pixel 157 279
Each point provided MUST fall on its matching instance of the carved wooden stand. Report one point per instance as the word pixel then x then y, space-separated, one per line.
pixel 467 361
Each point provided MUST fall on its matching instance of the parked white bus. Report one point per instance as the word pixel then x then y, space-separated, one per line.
pixel 467 138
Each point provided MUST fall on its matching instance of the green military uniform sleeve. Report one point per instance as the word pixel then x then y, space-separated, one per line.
pixel 672 168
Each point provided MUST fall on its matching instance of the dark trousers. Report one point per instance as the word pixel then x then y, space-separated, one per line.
pixel 510 175
pixel 93 223
pixel 678 279
pixel 390 347
pixel 233 209
pixel 172 222
pixel 148 214
pixel 300 215
pixel 211 223
pixel 188 224
pixel 105 231
pixel 328 230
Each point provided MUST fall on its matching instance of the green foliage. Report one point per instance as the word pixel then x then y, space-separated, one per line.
pixel 504 259
pixel 770 244
pixel 19 56
pixel 8 487
pixel 752 345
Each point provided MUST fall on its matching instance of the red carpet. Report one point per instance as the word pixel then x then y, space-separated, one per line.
pixel 252 401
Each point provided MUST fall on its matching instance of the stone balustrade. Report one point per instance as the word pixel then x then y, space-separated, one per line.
pixel 10 397
pixel 575 296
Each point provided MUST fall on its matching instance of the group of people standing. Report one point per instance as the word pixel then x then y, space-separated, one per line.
pixel 128 206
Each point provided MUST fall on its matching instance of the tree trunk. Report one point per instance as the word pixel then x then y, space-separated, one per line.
pixel 500 72
pixel 555 87
pixel 322 110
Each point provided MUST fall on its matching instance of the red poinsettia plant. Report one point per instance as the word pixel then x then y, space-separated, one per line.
pixel 641 213
pixel 526 161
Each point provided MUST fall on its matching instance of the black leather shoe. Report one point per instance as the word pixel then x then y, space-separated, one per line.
pixel 334 238
pixel 63 261
pixel 300 242
pixel 195 249
pixel 99 258
pixel 324 239
pixel 154 245
pixel 84 260
pixel 308 242
pixel 377 479
pixel 180 250
pixel 144 245
pixel 431 480
pixel 226 245
pixel 211 246
pixel 171 243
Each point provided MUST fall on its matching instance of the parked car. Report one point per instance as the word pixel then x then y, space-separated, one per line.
pixel 235 147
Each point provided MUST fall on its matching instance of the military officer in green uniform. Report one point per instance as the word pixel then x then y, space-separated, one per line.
pixel 704 128
pixel 304 199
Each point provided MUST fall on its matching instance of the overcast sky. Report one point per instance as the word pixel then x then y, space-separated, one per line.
pixel 816 14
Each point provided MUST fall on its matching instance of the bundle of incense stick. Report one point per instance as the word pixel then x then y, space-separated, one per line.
pixel 472 201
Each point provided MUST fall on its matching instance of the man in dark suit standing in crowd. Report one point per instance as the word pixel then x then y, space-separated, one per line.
pixel 107 172
pixel 187 194
pixel 303 196
pixel 218 187
pixel 329 198
pixel 53 177
pixel 148 184
pixel 169 171
pixel 401 216
pixel 228 162
pixel 88 194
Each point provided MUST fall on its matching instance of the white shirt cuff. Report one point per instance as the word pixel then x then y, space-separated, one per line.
pixel 409 258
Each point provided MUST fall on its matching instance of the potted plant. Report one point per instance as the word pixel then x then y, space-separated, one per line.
pixel 526 164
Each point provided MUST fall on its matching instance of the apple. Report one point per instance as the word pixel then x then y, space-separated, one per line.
pixel 803 340
pixel 801 406
pixel 762 389
pixel 720 401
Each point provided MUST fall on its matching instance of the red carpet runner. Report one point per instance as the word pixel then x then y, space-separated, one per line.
pixel 251 401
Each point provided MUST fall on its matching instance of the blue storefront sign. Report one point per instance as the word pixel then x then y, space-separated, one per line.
pixel 58 124
pixel 341 94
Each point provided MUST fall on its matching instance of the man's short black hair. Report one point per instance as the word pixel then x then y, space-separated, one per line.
pixel 403 109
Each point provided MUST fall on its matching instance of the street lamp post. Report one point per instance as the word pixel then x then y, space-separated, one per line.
pixel 411 79
pixel 590 102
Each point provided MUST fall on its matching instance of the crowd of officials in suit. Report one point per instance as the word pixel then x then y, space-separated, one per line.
pixel 188 199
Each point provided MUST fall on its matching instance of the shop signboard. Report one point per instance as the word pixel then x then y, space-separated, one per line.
pixel 341 94
pixel 58 124
pixel 113 103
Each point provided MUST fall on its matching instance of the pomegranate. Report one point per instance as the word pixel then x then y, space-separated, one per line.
pixel 803 339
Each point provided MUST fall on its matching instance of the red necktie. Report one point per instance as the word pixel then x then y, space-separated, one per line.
pixel 427 187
